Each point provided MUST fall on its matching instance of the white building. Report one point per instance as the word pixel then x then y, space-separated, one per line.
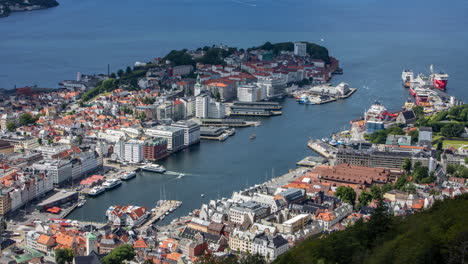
pixel 250 93
pixel 174 135
pixel 300 49
pixel 49 151
pixel 269 246
pixel 201 106
pixel 340 90
pixel 59 170
pixel 133 151
pixel 216 110
pixel 207 107
pixel 191 131
pixel 272 85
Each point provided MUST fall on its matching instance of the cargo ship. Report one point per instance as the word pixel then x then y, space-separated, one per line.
pixel 434 80
pixel 439 80
pixel 407 77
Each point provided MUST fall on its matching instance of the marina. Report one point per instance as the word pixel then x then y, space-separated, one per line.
pixel 160 211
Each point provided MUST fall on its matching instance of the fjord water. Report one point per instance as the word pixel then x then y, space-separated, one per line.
pixel 374 40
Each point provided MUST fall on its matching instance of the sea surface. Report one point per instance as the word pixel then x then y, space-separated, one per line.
pixel 373 39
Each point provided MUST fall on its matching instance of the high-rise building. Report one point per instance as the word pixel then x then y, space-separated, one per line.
pixel 201 105
pixel 191 131
pixel 300 49
pixel 250 93
pixel 133 151
pixel 173 135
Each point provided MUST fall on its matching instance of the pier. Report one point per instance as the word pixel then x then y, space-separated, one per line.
pixel 160 211
pixel 229 123
pixel 322 148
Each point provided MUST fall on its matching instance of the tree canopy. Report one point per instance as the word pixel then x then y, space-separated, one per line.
pixel 346 194
pixel 438 235
pixel 63 256
pixel 119 255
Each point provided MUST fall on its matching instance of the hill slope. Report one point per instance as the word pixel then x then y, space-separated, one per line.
pixel 438 235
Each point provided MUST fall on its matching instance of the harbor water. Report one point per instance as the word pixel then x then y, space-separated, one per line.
pixel 374 41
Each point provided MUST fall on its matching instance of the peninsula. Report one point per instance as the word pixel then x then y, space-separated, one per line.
pixel 8 6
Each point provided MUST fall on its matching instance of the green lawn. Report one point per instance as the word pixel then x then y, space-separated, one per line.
pixel 454 143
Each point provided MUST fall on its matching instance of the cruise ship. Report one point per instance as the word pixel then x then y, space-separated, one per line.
pixel 129 176
pixel 154 168
pixel 96 191
pixel 111 184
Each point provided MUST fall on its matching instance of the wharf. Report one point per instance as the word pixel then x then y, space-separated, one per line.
pixel 222 137
pixel 351 91
pixel 68 211
pixel 229 123
pixel 311 161
pixel 160 211
pixel 128 168
pixel 256 113
pixel 322 148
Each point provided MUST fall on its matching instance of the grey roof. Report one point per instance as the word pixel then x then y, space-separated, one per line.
pixel 93 258
pixel 190 233
pixel 427 129
pixel 272 241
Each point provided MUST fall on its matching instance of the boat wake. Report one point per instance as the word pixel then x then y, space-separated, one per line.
pixel 245 3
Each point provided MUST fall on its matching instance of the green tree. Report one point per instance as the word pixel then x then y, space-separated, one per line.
pixel 418 111
pixel 11 126
pixel 406 166
pixel 440 145
pixel 365 198
pixel 346 194
pixel 253 259
pixel 414 134
pixel 376 192
pixel 217 96
pixel 401 182
pixel 120 73
pixel 452 129
pixel 128 70
pixel 120 254
pixel 63 256
pixel 113 76
pixel 395 130
pixel 50 141
pixel 26 119
pixel 39 141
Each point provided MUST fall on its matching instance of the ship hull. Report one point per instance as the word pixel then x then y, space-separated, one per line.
pixel 440 84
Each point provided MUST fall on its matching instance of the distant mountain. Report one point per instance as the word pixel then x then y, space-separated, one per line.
pixel 8 6
pixel 438 235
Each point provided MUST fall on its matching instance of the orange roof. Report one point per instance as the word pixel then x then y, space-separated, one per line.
pixel 44 239
pixel 64 240
pixel 327 216
pixel 174 256
pixel 140 243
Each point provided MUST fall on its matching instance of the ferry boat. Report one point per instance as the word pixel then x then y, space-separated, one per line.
pixel 96 191
pixel 129 176
pixel 407 77
pixel 154 168
pixel 111 184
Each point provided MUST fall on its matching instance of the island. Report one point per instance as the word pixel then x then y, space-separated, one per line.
pixel 8 6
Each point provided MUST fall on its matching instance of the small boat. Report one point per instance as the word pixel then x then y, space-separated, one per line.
pixel 180 176
pixel 81 203
pixel 253 136
pixel 162 217
pixel 167 213
pixel 202 195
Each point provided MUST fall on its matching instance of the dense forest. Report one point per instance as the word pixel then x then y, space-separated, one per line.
pixel 438 235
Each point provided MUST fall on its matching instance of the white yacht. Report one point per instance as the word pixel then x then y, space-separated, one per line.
pixel 129 176
pixel 111 183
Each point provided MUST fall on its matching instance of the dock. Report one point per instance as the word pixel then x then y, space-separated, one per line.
pixel 68 211
pixel 160 211
pixel 311 161
pixel 229 123
pixel 322 148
